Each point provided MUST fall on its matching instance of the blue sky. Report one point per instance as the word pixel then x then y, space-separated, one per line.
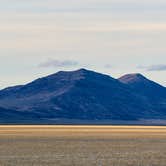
pixel 115 37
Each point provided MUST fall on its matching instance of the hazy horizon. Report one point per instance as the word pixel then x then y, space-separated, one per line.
pixel 115 37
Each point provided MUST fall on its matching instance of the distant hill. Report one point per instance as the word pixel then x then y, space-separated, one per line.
pixel 83 96
pixel 146 87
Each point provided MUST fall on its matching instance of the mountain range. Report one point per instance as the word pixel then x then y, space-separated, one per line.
pixel 84 97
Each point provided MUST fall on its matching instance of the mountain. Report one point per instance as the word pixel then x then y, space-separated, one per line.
pixel 13 116
pixel 154 93
pixel 84 96
pixel 142 85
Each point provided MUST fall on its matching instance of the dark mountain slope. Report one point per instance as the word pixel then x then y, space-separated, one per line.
pixel 80 94
pixel 145 86
pixel 154 93
pixel 83 95
pixel 99 96
pixel 13 116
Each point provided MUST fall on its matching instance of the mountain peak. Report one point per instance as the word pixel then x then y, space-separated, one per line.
pixel 142 85
pixel 79 71
pixel 82 70
pixel 131 78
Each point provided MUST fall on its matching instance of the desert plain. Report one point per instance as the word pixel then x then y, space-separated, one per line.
pixel 58 145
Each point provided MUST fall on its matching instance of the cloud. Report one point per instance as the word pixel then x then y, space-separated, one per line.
pixel 58 63
pixel 160 67
pixel 79 5
pixel 108 66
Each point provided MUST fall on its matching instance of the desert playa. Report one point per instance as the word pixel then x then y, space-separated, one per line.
pixel 82 145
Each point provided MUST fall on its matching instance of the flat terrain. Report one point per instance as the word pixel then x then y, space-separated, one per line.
pixel 82 146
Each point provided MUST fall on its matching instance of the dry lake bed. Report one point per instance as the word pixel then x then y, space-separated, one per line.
pixel 82 145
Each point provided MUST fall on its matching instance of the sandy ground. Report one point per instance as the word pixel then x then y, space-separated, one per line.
pixel 82 145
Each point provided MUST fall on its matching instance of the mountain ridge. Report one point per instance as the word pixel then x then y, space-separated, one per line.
pixel 86 95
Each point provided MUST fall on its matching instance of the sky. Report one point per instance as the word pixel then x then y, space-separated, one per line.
pixel 116 37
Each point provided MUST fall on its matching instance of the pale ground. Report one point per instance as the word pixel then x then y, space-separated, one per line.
pixel 82 146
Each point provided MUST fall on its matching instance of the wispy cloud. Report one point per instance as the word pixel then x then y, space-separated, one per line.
pixel 79 5
pixel 58 63
pixel 108 66
pixel 159 67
